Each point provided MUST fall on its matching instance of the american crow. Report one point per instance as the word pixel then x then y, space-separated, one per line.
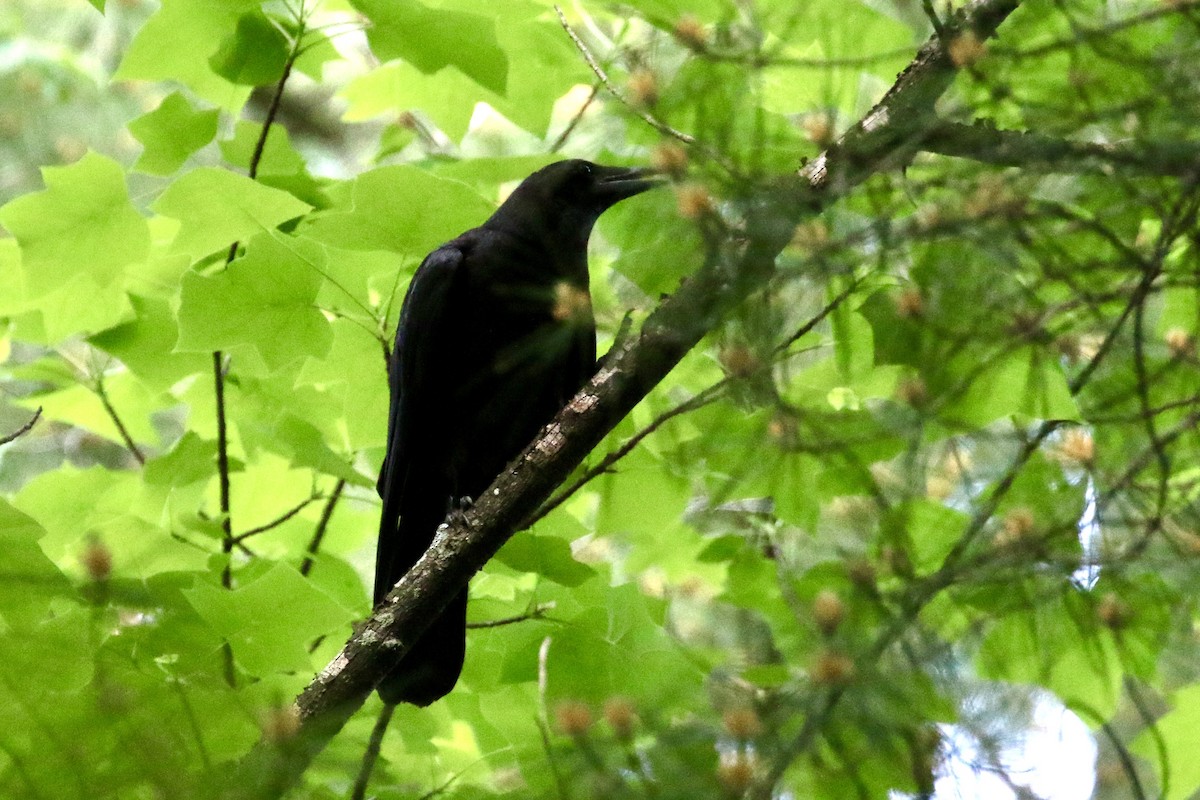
pixel 495 336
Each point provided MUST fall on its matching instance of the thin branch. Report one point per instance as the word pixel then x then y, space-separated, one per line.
pixel 275 523
pixel 709 395
pixel 218 358
pixel 1022 149
pixel 314 544
pixel 1126 759
pixel 600 74
pixel 543 718
pixel 703 398
pixel 567 131
pixel 371 755
pixel 24 429
pixel 537 612
pixel 116 420
pixel 227 540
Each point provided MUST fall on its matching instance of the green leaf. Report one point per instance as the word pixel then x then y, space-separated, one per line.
pixel 548 68
pixel 1175 732
pixel 264 299
pixel 28 580
pixel 82 223
pixel 192 459
pixel 254 54
pixel 171 133
pixel 305 446
pixel 1054 644
pixel 433 39
pixel 931 530
pixel 145 345
pixel 403 209
pixel 175 43
pixel 278 157
pixel 1181 310
pixel 61 641
pixel 1027 382
pixel 590 657
pixel 655 244
pixel 547 556
pixel 217 208
pixel 271 621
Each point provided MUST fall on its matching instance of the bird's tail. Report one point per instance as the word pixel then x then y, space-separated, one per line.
pixel 430 668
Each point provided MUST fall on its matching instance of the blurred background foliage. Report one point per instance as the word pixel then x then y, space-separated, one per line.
pixel 919 520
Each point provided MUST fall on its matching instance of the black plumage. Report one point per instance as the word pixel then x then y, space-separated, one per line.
pixel 495 336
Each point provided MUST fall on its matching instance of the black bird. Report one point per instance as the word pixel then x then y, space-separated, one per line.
pixel 495 335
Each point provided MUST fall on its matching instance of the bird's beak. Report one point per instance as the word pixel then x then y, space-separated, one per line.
pixel 614 184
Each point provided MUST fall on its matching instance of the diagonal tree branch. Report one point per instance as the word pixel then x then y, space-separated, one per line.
pixel 886 138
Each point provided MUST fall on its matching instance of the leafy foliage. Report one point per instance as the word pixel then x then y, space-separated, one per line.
pixel 939 471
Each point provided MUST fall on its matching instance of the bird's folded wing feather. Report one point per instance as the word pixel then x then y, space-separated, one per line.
pixel 420 346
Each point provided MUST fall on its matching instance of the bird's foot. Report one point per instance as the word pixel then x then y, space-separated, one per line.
pixel 459 507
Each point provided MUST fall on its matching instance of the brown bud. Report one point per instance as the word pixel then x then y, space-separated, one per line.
pixel 280 723
pixel 784 431
pixel 670 158
pixel 828 611
pixel 1018 525
pixel 643 87
pixel 832 669
pixel 1180 342
pixel 1113 612
pixel 909 303
pixel 739 360
pixel 574 718
pixel 897 560
pixel 620 715
pixel 694 201
pixel 862 573
pixel 407 119
pixel 912 391
pixel 571 304
pixel 97 560
pixel 966 49
pixel 742 723
pixel 1077 445
pixel 1069 346
pixel 736 771
pixel 818 128
pixel 691 33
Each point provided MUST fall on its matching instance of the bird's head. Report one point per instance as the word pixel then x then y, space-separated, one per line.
pixel 564 200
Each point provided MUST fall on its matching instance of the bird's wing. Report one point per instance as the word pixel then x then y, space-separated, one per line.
pixel 417 361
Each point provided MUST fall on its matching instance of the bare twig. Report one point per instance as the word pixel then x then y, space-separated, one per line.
pixel 567 131
pixel 536 612
pixel 594 65
pixel 24 429
pixel 275 523
pixel 314 544
pixel 130 445
pixel 218 358
pixel 371 754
